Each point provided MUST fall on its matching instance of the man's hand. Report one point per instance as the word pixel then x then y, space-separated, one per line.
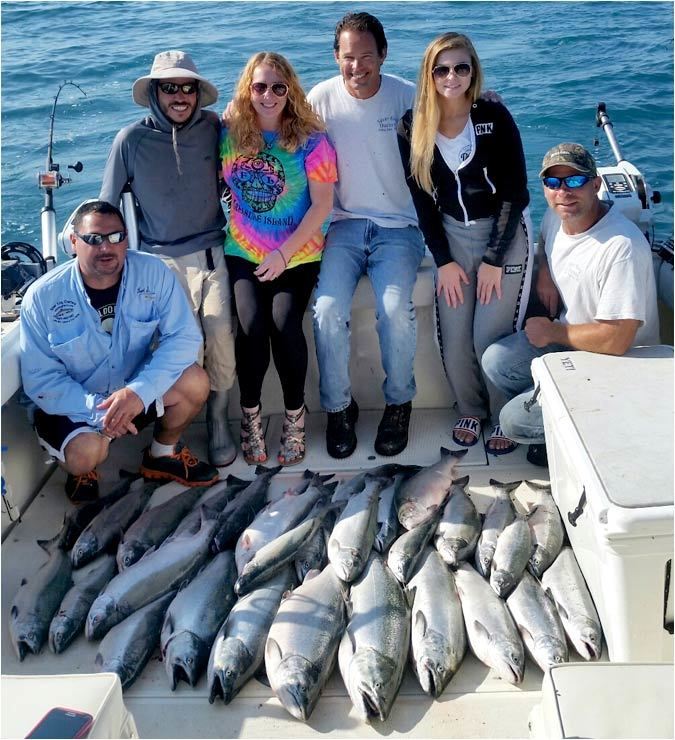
pixel 449 283
pixel 547 291
pixel 489 279
pixel 540 331
pixel 123 406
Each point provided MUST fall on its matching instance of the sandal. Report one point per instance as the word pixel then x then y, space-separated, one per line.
pixel 292 439
pixel 470 424
pixel 498 434
pixel 252 437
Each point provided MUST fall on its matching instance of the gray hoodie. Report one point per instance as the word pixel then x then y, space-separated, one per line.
pixel 179 213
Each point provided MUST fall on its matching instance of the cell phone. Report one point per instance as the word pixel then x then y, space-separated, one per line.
pixel 60 722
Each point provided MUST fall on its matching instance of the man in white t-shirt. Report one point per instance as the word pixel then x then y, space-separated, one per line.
pixel 596 265
pixel 373 231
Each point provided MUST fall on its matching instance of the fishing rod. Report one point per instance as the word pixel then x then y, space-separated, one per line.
pixel 51 179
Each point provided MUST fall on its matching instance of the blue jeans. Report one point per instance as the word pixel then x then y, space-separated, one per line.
pixel 507 364
pixel 390 258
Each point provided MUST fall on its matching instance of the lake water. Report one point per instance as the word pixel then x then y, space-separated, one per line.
pixel 551 62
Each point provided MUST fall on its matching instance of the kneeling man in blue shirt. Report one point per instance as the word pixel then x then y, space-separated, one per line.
pixel 109 344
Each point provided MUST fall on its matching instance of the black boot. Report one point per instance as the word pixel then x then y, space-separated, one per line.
pixel 340 434
pixel 392 434
pixel 536 454
pixel 222 450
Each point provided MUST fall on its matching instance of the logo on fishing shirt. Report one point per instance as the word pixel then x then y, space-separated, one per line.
pixel 63 312
pixel 387 123
pixel 483 128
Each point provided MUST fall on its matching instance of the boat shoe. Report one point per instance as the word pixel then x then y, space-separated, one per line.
pixel 182 467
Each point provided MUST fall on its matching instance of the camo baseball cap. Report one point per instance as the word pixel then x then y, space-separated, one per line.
pixel 570 155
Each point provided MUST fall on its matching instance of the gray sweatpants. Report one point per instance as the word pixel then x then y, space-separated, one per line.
pixel 466 331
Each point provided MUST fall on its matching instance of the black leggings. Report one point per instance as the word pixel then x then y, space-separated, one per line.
pixel 270 313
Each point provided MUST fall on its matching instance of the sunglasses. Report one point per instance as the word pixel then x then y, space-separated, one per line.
pixel 571 181
pixel 278 88
pixel 95 240
pixel 441 71
pixel 171 88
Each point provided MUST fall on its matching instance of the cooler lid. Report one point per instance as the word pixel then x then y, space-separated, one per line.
pixel 622 411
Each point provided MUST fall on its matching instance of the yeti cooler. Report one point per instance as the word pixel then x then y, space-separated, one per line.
pixel 608 423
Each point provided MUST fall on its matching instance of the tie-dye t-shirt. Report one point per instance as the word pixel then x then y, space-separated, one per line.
pixel 270 195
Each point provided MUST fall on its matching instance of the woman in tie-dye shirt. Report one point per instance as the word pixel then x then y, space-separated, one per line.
pixel 280 168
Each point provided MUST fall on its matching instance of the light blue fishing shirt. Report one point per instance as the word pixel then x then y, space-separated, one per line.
pixel 70 364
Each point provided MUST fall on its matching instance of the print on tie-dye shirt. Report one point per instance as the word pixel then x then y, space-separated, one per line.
pixel 270 195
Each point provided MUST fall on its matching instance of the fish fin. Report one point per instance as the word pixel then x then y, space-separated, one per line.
pixel 168 624
pixel 410 595
pixel 234 480
pixel 272 650
pixel 149 551
pixel 538 486
pixel 526 634
pixel 245 539
pixel 330 487
pixel 98 660
pixel 326 477
pixel 15 610
pixel 461 482
pixel 481 629
pixel 51 544
pixel 419 623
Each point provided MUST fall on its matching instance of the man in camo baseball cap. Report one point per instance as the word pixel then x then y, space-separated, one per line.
pixel 570 155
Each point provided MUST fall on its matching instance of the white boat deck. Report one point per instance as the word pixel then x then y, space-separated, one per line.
pixel 475 704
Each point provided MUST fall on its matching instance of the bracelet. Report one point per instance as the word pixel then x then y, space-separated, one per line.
pixel 282 257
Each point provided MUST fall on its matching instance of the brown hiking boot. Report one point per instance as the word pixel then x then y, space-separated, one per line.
pixel 82 488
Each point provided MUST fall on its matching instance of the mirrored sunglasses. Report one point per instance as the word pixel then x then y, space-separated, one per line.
pixel 171 88
pixel 95 240
pixel 278 88
pixel 441 71
pixel 571 181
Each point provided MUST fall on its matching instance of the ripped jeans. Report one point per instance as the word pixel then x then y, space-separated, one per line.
pixel 390 258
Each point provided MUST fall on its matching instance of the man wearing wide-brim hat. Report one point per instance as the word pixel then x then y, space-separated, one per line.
pixel 170 161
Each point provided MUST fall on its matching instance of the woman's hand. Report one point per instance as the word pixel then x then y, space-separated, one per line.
pixel 449 283
pixel 489 279
pixel 271 267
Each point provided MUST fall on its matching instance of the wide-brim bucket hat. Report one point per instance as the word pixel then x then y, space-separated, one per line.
pixel 168 65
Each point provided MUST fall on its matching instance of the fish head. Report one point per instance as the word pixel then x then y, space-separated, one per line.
pixel 449 548
pixel 503 582
pixel 84 549
pixel 114 665
pixel 537 561
pixel 411 513
pixel 507 658
pixel 484 556
pixel 129 553
pixel 296 684
pixel 433 662
pixel 100 616
pixel 230 670
pixel 28 635
pixel 549 650
pixel 588 642
pixel 347 563
pixel 62 630
pixel 185 656
pixel 372 683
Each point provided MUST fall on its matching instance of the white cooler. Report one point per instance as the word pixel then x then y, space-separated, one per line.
pixel 609 437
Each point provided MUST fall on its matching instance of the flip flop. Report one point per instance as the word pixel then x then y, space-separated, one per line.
pixel 498 434
pixel 470 424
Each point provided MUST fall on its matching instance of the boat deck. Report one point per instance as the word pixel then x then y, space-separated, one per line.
pixel 475 704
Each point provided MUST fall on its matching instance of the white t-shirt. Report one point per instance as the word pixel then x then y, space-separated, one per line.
pixel 456 150
pixel 371 181
pixel 605 273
